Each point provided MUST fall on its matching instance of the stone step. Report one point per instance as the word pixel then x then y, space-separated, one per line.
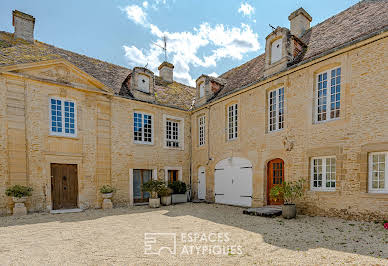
pixel 264 211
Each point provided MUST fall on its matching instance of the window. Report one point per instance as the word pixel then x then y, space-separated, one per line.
pixel 328 104
pixel 378 169
pixel 276 50
pixel 172 133
pixel 202 89
pixel 63 117
pixel 172 176
pixel 323 171
pixel 276 109
pixel 232 121
pixel 142 128
pixel 201 130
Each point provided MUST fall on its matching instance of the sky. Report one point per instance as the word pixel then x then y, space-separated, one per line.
pixel 203 36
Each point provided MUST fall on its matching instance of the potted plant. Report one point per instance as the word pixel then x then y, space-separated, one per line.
pixel 165 195
pixel 179 189
pixel 19 195
pixel 289 192
pixel 153 187
pixel 107 193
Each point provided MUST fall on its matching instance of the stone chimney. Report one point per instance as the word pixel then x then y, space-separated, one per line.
pixel 166 71
pixel 24 25
pixel 299 22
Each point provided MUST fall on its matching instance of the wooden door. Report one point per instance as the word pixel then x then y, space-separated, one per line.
pixel 275 176
pixel 172 175
pixel 201 183
pixel 140 176
pixel 64 186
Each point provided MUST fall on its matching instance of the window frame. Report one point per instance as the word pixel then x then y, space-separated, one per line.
pixel 324 176
pixel 276 110
pixel 234 121
pixel 181 129
pixel 148 91
pixel 203 127
pixel 202 89
pixel 328 95
pixel 63 133
pixel 142 135
pixel 370 172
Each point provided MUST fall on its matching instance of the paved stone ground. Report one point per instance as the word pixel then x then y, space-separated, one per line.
pixel 97 237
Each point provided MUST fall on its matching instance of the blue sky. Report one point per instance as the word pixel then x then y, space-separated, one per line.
pixel 203 36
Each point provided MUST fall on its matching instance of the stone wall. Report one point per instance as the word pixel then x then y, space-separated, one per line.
pixel 362 128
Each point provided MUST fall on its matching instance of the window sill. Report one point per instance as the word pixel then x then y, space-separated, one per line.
pixel 275 131
pixel 377 192
pixel 63 137
pixel 174 148
pixel 322 190
pixel 143 143
pixel 326 121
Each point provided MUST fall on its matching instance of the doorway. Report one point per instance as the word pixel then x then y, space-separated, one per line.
pixel 64 186
pixel 201 183
pixel 140 176
pixel 275 176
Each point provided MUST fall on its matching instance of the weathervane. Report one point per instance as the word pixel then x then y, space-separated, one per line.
pixel 164 48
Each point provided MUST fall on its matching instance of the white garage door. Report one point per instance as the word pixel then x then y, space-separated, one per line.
pixel 233 182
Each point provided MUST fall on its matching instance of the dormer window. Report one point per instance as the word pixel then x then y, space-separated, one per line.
pixel 276 50
pixel 202 89
pixel 143 83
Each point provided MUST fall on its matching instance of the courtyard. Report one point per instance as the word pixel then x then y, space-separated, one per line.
pixel 204 234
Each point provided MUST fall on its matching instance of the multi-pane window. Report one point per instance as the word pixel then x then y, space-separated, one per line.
pixel 172 133
pixel 323 173
pixel 276 109
pixel 202 89
pixel 142 128
pixel 378 169
pixel 201 130
pixel 63 117
pixel 232 121
pixel 329 95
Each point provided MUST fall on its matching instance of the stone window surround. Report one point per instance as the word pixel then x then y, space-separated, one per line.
pixel 328 68
pixel 152 128
pixel 323 187
pixel 370 172
pixel 277 111
pixel 181 132
pixel 63 134
pixel 203 126
pixel 154 177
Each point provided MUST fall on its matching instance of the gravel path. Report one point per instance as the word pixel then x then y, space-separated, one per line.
pixel 206 234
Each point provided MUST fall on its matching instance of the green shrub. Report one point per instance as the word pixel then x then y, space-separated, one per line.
pixel 165 191
pixel 18 191
pixel 178 187
pixel 153 187
pixel 105 189
pixel 288 191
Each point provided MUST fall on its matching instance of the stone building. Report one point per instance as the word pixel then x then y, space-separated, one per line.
pixel 313 106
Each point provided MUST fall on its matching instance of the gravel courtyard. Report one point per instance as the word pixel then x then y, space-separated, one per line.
pixel 205 234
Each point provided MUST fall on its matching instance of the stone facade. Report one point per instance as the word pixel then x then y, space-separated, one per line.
pixel 362 128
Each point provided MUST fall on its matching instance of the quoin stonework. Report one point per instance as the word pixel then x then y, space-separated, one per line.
pixel 313 106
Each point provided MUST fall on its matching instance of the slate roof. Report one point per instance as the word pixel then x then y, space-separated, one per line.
pixel 361 20
pixel 19 51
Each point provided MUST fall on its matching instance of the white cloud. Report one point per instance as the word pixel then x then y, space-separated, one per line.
pixel 213 74
pixel 145 4
pixel 185 49
pixel 136 14
pixel 246 9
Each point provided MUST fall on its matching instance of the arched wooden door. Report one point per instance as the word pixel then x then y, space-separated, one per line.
pixel 275 176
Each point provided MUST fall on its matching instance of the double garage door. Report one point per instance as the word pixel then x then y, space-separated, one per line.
pixel 233 182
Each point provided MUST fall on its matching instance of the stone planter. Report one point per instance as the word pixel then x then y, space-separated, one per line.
pixel 165 200
pixel 154 203
pixel 289 211
pixel 19 209
pixel 178 198
pixel 107 202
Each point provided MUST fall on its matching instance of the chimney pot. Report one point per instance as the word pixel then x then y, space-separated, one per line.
pixel 24 25
pixel 299 22
pixel 166 71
